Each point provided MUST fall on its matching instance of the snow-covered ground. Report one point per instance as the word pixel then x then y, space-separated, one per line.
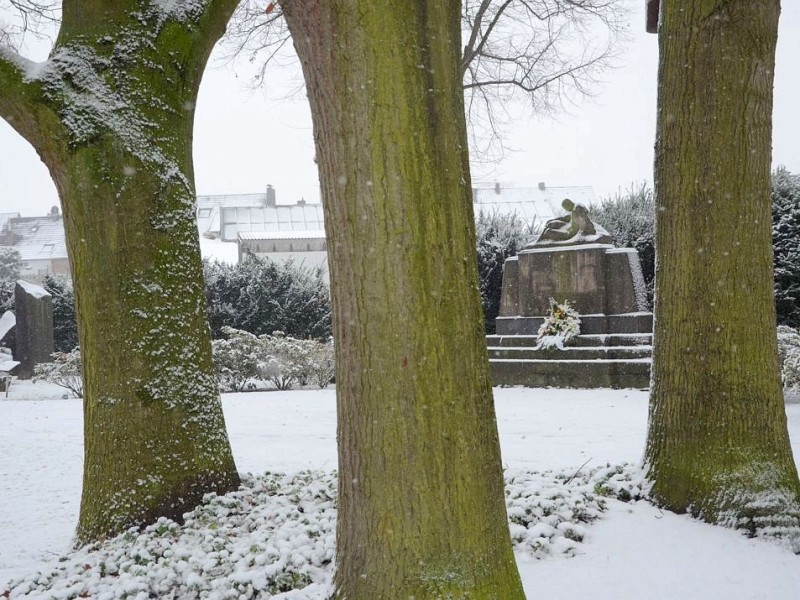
pixel 633 551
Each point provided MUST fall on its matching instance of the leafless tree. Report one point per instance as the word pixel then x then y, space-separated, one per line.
pixel 19 17
pixel 545 54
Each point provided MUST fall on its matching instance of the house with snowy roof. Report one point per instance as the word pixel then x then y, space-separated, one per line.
pixel 225 216
pixel 261 226
pixel 40 242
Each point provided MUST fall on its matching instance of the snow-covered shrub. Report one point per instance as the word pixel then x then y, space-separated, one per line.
pixel 65 371
pixel 244 361
pixel 560 325
pixel 789 354
pixel 262 296
pixel 321 362
pixel 286 361
pixel 630 219
pixel 237 358
pixel 293 362
pixel 786 245
pixel 498 237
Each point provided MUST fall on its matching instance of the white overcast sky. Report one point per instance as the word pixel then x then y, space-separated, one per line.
pixel 245 139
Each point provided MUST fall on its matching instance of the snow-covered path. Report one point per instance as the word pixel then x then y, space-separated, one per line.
pixel 636 551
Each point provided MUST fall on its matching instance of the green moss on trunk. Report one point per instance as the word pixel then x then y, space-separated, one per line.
pixel 717 441
pixel 421 511
pixel 117 99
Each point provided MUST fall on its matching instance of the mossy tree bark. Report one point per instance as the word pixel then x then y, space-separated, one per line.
pixel 717 441
pixel 111 113
pixel 421 508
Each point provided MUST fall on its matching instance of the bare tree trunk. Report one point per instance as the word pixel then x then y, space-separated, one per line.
pixel 111 114
pixel 717 440
pixel 421 509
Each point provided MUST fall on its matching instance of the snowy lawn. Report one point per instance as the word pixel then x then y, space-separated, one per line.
pixel 571 542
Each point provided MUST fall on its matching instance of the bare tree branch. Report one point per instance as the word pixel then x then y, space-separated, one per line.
pixel 20 17
pixel 545 54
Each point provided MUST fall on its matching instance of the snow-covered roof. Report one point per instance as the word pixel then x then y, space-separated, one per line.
pixel 229 215
pixel 532 204
pixel 314 234
pixel 37 238
pixel 208 208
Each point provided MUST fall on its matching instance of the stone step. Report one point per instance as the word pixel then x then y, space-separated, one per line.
pixel 609 339
pixel 571 353
pixel 641 322
pixel 633 373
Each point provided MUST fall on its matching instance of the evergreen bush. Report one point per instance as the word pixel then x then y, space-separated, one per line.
pixel 786 245
pixel 10 263
pixel 789 356
pixel 262 296
pixel 65 325
pixel 498 237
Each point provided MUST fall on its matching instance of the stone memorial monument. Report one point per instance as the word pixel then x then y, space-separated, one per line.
pixel 34 326
pixel 573 259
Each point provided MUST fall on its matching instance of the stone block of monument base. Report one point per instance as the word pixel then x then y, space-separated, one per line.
pixel 573 260
pixel 33 308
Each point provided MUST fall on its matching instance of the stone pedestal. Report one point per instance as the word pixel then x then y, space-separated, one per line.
pixel 604 284
pixel 34 327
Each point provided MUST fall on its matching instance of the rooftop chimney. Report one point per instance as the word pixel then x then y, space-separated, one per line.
pixel 497 187
pixel 301 202
pixel 270 195
pixel 542 186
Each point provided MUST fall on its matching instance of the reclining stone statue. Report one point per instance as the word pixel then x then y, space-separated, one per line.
pixel 576 227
